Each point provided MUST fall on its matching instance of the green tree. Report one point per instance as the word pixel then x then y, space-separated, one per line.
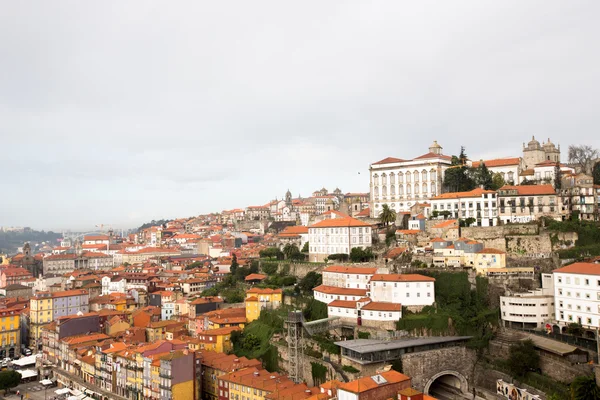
pixel 9 379
pixel 195 264
pixel 250 341
pixel 387 215
pixel 557 177
pixel 310 281
pixel 523 358
pixel 457 178
pixel 390 237
pixel 234 265
pixel 585 388
pixel 497 181
pixel 305 248
pixel 271 252
pixel 528 182
pixel 596 173
pixel 482 176
pixel 290 249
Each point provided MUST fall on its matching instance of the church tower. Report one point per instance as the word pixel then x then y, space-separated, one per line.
pixel 435 148
pixel 288 198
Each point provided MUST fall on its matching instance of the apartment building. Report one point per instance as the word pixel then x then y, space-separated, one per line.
pixel 337 235
pixel 258 299
pixel 529 310
pixel 348 277
pixel 46 307
pixel 578 196
pixel 526 203
pixel 577 294
pixel 216 364
pixel 10 332
pixel 478 204
pixel 413 291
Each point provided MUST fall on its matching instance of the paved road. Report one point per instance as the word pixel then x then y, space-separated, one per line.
pixel 35 391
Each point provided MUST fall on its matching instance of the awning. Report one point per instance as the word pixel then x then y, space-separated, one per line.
pixel 46 382
pixel 27 373
pixel 23 361
pixel 75 392
pixel 62 391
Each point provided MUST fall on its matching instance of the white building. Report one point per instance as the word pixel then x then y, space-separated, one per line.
pixel 402 183
pixel 526 203
pixel 411 290
pixel 327 294
pixel 479 204
pixel 335 235
pixel 530 310
pixel 348 277
pixel 577 294
pixel 366 312
pixel 114 284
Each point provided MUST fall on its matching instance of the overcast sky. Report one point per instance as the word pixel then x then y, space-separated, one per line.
pixel 118 112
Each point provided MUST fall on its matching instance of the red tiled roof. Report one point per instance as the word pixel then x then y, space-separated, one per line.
pixel 401 278
pixel 255 277
pixel 389 160
pixel 459 195
pixel 498 162
pixel 367 383
pixel 433 155
pixel 340 222
pixel 580 268
pixel 531 190
pixel 446 224
pixel 364 213
pixel 381 306
pixel 343 304
pixel 340 291
pixel 491 251
pixel 351 270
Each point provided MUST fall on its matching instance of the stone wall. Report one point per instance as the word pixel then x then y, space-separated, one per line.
pixel 306 365
pixel 492 232
pixel 551 365
pixel 422 366
pixel 529 245
pixel 487 378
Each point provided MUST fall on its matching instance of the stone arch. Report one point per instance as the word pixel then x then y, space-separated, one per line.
pixel 464 384
pixel 555 329
pixel 589 334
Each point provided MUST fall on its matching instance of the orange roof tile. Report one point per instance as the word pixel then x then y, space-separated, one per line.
pixel 389 160
pixel 530 190
pixel 351 270
pixel 340 291
pixel 343 222
pixel 446 224
pixel 401 278
pixel 343 304
pixel 491 251
pixel 367 383
pixel 459 195
pixel 498 162
pixel 381 306
pixel 580 268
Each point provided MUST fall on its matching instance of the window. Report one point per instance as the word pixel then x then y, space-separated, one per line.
pixel 589 321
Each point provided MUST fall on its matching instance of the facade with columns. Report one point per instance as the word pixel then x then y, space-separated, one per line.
pixel 401 183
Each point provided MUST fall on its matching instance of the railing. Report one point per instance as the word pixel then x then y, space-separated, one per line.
pixel 589 344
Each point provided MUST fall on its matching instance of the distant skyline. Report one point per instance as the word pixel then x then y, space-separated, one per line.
pixel 118 113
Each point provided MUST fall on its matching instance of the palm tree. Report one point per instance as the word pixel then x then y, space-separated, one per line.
pixel 387 215
pixel 585 388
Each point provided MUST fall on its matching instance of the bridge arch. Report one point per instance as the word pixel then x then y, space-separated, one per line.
pixel 447 378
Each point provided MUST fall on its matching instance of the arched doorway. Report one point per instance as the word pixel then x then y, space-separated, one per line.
pixel 555 329
pixel 447 385
pixel 11 352
pixel 2 354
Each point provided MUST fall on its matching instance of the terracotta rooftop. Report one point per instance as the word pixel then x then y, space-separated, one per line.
pixel 401 278
pixel 582 268
pixel 351 270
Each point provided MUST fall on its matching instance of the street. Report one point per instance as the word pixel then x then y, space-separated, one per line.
pixel 34 389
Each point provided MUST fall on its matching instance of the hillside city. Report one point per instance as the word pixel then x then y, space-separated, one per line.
pixel 446 277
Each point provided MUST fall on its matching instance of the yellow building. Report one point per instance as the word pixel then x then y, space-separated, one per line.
pixel 4 260
pixel 259 299
pixel 218 340
pixel 489 259
pixel 10 332
pixel 40 314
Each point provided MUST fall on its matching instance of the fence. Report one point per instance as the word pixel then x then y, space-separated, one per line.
pixel 589 344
